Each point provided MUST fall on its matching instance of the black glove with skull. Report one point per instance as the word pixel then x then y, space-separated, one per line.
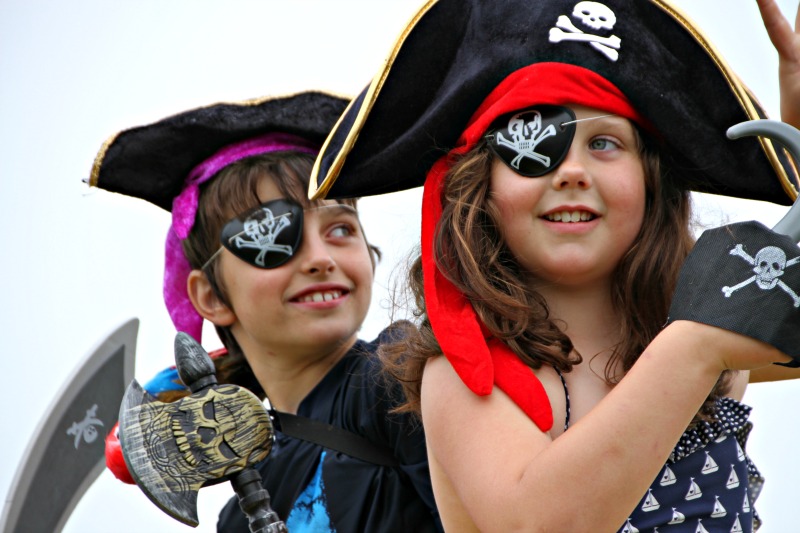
pixel 744 278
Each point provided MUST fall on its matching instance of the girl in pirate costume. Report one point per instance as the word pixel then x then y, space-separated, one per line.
pixel 287 284
pixel 558 143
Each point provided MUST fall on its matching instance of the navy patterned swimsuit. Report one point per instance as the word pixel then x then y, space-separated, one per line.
pixel 708 485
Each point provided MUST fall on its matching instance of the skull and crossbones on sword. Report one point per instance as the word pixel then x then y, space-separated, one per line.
pixel 262 234
pixel 593 15
pixel 769 265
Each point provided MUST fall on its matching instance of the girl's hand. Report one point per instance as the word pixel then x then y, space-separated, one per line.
pixel 744 278
pixel 787 43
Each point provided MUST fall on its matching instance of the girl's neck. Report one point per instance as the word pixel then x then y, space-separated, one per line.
pixel 586 314
pixel 288 379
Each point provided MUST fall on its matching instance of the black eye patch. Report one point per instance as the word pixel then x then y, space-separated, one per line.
pixel 266 236
pixel 533 141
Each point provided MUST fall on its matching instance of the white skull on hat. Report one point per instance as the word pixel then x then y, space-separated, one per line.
pixel 595 15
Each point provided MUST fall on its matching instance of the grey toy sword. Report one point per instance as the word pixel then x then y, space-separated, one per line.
pixel 67 451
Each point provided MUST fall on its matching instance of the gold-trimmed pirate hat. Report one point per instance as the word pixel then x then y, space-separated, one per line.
pixel 454 52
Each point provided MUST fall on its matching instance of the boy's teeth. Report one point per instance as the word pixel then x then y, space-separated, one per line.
pixel 570 216
pixel 326 296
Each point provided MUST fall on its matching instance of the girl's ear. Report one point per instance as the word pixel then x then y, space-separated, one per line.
pixel 206 302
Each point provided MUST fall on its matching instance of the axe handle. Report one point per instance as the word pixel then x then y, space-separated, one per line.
pixel 254 501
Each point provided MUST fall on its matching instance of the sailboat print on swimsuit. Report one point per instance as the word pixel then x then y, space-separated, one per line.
pixel 710 465
pixel 737 526
pixel 719 511
pixel 694 491
pixel 677 517
pixel 629 528
pixel 700 528
pixel 739 452
pixel 733 479
pixel 668 477
pixel 650 502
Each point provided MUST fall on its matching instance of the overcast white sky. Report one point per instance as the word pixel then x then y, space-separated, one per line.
pixel 80 262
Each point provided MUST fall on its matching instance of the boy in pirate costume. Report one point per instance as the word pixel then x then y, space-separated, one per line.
pixel 287 283
pixel 558 142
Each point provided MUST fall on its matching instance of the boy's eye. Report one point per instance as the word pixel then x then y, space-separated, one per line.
pixel 341 231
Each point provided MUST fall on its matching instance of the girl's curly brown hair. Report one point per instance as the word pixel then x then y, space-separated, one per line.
pixel 471 253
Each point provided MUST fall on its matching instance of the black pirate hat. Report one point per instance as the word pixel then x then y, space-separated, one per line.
pixel 456 51
pixel 442 88
pixel 153 161
pixel 166 161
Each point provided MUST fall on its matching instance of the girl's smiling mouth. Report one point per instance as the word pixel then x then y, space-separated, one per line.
pixel 570 216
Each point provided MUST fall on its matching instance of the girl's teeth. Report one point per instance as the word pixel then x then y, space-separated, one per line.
pixel 570 216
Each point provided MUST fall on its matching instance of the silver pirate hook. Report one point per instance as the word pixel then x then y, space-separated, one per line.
pixel 789 137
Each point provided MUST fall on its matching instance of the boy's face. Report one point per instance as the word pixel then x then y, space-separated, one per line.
pixel 315 302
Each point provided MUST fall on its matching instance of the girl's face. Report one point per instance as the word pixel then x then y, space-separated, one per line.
pixel 572 225
pixel 316 301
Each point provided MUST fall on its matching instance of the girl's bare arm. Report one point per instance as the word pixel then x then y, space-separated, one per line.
pixel 513 477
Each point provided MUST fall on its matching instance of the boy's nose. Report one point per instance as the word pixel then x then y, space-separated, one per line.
pixel 316 256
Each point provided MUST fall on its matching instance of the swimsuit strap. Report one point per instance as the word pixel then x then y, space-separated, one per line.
pixel 566 396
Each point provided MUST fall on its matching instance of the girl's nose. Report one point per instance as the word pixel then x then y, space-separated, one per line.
pixel 571 173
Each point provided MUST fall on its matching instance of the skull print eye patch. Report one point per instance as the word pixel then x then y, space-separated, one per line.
pixel 266 236
pixel 533 141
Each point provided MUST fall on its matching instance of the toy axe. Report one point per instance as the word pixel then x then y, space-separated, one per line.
pixel 745 277
pixel 213 435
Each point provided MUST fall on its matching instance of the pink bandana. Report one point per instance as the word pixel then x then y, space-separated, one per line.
pixel 184 210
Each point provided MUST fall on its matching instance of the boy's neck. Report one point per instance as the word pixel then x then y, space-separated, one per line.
pixel 288 380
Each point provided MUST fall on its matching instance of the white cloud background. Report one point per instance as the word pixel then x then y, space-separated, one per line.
pixel 79 262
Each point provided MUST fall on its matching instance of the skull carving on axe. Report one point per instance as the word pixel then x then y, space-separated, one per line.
pixel 213 435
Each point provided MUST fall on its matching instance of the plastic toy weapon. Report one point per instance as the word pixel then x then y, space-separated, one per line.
pixel 215 434
pixel 67 452
pixel 790 138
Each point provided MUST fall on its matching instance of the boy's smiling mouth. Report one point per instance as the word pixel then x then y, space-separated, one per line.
pixel 320 296
pixel 321 293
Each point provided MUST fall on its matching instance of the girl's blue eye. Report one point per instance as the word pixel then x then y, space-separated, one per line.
pixel 601 143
